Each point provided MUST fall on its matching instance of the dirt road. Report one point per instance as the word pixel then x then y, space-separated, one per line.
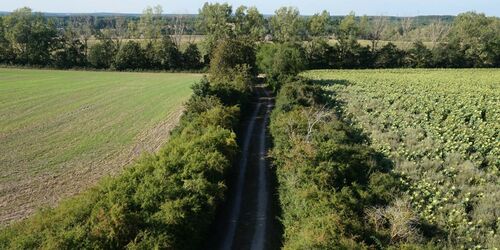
pixel 248 219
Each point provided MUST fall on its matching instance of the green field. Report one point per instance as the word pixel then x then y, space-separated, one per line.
pixel 60 131
pixel 441 130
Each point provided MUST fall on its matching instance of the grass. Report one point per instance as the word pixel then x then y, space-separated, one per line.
pixel 60 131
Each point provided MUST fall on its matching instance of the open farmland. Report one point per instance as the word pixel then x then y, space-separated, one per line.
pixel 60 131
pixel 441 130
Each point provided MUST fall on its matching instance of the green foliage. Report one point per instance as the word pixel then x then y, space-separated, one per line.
pixel 101 55
pixel 389 56
pixel 419 56
pixel 249 22
pixel 229 54
pixel 280 61
pixel 214 19
pixel 287 25
pixel 328 177
pixel 31 35
pixel 191 57
pixel 129 56
pixel 71 54
pixel 318 24
pixel 478 38
pixel 319 54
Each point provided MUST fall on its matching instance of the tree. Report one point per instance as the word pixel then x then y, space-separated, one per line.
pixel 215 21
pixel 437 31
pixel 389 56
pixel 232 69
pixel 129 56
pixel 191 58
pixel 377 28
pixel 287 25
pixel 32 36
pixel 6 55
pixel 364 28
pixel 318 54
pixel 249 22
pixel 101 55
pixel 169 54
pixel 478 38
pixel 71 51
pixel 419 56
pixel 151 22
pixel 280 61
pixel 318 24
pixel 348 28
pixel 84 28
pixel 229 54
pixel 406 27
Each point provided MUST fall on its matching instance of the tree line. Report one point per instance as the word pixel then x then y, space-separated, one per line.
pixel 28 38
pixel 154 41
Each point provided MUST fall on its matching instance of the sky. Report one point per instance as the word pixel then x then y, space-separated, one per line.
pixel 335 7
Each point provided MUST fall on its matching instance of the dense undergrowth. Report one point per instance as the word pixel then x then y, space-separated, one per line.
pixel 166 200
pixel 335 191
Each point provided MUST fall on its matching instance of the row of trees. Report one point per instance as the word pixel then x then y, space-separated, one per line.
pixel 472 40
pixel 28 38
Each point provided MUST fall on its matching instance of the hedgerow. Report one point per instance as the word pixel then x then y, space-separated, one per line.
pixel 335 191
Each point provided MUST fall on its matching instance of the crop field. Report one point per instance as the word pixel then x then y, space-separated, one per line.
pixel 441 130
pixel 60 131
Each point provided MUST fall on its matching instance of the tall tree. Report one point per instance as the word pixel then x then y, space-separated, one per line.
pixel 437 31
pixel 151 22
pixel 377 29
pixel 249 22
pixel 287 25
pixel 5 51
pixel 318 24
pixel 216 22
pixel 478 37
pixel 348 28
pixel 84 28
